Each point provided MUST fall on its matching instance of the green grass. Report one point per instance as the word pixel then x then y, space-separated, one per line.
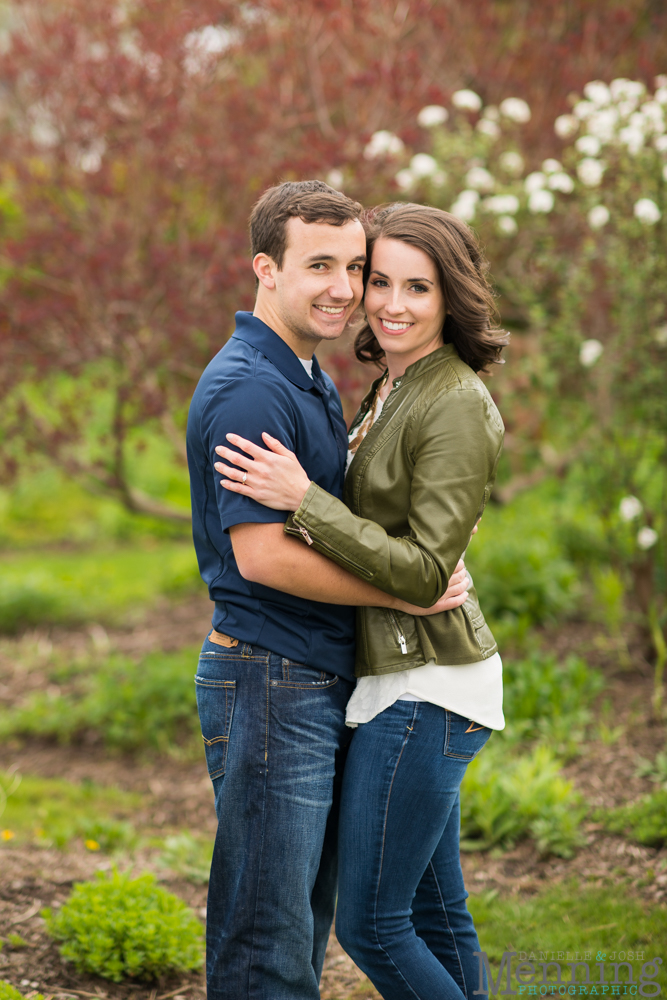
pixel 644 821
pixel 129 706
pixel 571 918
pixel 50 811
pixel 83 586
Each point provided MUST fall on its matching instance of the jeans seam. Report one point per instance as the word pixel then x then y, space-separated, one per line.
pixel 379 878
pixel 449 928
pixel 263 828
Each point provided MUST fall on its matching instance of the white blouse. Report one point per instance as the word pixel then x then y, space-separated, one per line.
pixel 473 690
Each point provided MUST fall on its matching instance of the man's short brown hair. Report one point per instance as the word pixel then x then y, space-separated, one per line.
pixel 310 201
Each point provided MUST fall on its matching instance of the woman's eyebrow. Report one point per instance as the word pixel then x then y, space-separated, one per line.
pixel 409 280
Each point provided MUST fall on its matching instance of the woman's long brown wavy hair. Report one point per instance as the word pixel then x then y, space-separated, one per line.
pixel 461 266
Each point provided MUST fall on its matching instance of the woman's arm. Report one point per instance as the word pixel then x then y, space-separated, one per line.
pixel 455 454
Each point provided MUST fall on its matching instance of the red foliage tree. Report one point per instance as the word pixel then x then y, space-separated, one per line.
pixel 136 137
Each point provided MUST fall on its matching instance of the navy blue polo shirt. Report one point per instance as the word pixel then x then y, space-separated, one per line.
pixel 257 383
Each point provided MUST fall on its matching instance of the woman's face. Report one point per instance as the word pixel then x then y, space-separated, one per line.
pixel 404 302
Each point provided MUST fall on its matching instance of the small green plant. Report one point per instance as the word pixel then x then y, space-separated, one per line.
pixel 549 699
pixel 116 926
pixel 16 942
pixel 9 992
pixel 128 705
pixel 644 821
pixel 654 770
pixel 505 797
pixel 187 856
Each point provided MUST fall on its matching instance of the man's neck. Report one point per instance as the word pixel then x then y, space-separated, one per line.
pixel 303 347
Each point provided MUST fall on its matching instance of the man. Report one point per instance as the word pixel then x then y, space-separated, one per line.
pixel 276 671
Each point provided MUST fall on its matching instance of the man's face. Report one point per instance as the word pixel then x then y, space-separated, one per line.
pixel 321 281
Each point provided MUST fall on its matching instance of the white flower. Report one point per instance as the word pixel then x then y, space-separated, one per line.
pixel 516 109
pixel 565 126
pixel 405 179
pixel 598 217
pixel 630 508
pixel 335 178
pixel 502 204
pixel 383 143
pixel 598 92
pixel 589 145
pixel 44 134
pixel 487 127
pixel 534 182
pixel 465 205
pixel 633 138
pixel 589 352
pixel 583 110
pixel 660 143
pixel 541 201
pixel 491 112
pixel 603 123
pixel 561 182
pixel 622 89
pixel 653 114
pixel 431 115
pixel 480 179
pixel 646 538
pixel 625 108
pixel 590 172
pixel 511 162
pixel 467 100
pixel 507 225
pixel 647 211
pixel 423 165
pixel 551 166
pixel 661 95
pixel 204 44
pixel 660 80
pixel 660 336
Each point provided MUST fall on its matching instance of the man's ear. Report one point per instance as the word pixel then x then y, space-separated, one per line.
pixel 265 270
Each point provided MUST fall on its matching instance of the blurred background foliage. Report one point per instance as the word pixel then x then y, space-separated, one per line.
pixel 135 136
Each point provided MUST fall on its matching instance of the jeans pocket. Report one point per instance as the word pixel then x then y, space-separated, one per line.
pixel 298 675
pixel 215 704
pixel 463 737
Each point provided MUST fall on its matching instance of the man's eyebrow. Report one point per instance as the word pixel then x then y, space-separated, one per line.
pixel 409 280
pixel 329 256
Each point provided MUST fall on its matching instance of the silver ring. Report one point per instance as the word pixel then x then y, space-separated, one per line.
pixel 245 476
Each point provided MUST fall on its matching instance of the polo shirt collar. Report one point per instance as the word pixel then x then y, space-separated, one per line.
pixel 255 332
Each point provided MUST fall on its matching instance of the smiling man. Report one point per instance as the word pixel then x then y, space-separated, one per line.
pixel 276 671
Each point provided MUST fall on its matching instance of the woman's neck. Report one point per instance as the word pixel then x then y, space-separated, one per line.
pixel 398 363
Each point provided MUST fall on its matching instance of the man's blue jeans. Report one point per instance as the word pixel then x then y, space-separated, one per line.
pixel 274 733
pixel 401 899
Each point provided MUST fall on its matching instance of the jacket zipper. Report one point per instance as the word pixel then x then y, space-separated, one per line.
pixel 361 570
pixel 401 638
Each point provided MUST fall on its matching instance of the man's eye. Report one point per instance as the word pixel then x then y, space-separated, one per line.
pixel 318 265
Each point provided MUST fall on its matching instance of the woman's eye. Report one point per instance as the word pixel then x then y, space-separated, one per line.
pixel 379 283
pixel 419 288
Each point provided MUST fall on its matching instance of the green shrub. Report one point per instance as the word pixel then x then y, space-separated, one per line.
pixel 505 796
pixel 84 586
pixel 549 699
pixel 128 705
pixel 644 821
pixel 187 856
pixel 117 926
pixel 8 992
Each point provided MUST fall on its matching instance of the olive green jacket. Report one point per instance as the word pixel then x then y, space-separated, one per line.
pixel 415 488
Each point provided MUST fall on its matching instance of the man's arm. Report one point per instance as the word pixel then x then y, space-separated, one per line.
pixel 265 554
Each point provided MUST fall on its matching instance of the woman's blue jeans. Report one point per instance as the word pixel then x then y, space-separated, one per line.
pixel 401 911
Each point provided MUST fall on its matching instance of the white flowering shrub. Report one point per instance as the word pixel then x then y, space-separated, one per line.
pixel 578 251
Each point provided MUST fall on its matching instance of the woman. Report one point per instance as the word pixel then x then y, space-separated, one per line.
pixel 423 454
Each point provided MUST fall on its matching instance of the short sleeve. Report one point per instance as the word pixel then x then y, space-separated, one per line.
pixel 246 407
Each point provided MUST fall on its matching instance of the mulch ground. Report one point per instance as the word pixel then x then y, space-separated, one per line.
pixel 177 795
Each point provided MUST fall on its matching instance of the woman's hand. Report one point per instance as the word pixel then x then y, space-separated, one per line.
pixel 455 595
pixel 274 478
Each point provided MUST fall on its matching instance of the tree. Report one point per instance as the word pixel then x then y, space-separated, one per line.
pixel 136 137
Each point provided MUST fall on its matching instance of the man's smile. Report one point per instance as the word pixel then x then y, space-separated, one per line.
pixel 331 310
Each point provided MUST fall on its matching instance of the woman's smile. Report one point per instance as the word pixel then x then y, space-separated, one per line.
pixel 391 326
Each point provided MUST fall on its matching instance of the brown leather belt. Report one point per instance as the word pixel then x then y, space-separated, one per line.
pixel 220 639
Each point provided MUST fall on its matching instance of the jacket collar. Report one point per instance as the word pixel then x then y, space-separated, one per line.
pixel 425 364
pixel 255 332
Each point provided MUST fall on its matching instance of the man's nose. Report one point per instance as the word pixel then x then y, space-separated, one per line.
pixel 341 287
